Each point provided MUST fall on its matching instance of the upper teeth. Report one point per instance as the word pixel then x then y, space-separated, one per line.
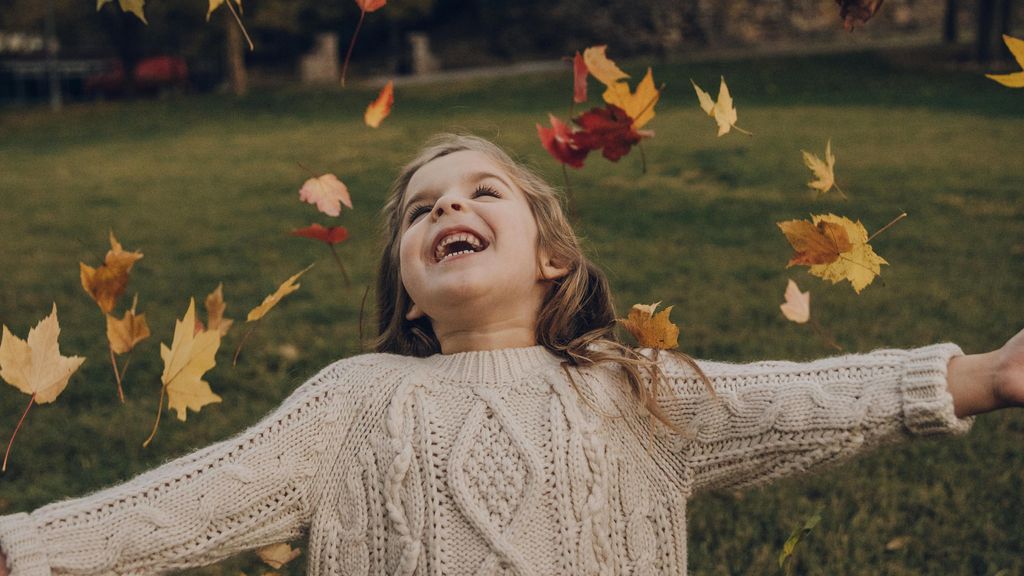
pixel 471 239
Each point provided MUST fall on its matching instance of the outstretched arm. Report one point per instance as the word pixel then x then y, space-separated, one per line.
pixel 774 419
pixel 248 491
pixel 982 383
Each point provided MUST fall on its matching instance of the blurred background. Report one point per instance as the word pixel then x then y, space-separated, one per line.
pixel 66 49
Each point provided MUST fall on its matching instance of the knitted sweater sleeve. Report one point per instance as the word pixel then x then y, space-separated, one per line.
pixel 773 419
pixel 248 491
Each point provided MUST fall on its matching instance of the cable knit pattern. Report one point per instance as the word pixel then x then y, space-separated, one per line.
pixel 487 462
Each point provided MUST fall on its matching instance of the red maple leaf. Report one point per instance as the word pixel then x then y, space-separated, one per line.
pixel 559 142
pixel 609 129
pixel 330 236
pixel 579 79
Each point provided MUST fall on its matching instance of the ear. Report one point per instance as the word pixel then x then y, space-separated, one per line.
pixel 414 313
pixel 549 268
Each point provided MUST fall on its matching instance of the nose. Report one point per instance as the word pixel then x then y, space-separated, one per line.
pixel 446 204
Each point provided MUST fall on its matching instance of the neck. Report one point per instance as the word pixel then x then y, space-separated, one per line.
pixel 488 337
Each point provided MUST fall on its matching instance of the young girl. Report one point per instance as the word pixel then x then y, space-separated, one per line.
pixel 502 428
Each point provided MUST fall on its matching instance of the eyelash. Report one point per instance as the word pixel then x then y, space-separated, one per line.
pixel 481 190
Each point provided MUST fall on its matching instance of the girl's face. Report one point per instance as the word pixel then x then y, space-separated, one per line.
pixel 468 252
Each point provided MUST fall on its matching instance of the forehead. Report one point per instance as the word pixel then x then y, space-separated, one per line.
pixel 453 168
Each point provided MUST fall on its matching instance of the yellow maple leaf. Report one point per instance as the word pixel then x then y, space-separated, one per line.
pixel 860 265
pixel 133 6
pixel 824 171
pixel 185 362
pixel 35 365
pixel 638 105
pixel 817 242
pixel 652 330
pixel 1015 79
pixel 601 67
pixel 286 288
pixel 277 555
pixel 107 283
pixel 797 306
pixel 215 307
pixel 125 333
pixel 721 110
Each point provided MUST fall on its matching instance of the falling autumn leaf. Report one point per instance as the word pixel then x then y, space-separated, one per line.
pixel 856 262
pixel 364 7
pixel 190 356
pixel 327 192
pixel 125 333
pixel 854 12
pixel 379 109
pixel 215 307
pixel 721 110
pixel 133 6
pixel 330 235
pixel 818 242
pixel 797 306
pixel 579 79
pixel 637 105
pixel 1015 79
pixel 602 68
pixel 286 288
pixel 108 282
pixel 277 555
pixel 608 129
pixel 257 313
pixel 652 330
pixel 824 171
pixel 558 141
pixel 35 365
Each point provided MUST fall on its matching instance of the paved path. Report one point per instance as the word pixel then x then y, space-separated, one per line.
pixel 850 42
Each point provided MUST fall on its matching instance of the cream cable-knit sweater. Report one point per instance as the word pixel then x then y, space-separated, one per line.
pixel 486 463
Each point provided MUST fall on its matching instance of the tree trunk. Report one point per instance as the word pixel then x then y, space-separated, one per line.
pixel 235 57
pixel 949 26
pixel 983 41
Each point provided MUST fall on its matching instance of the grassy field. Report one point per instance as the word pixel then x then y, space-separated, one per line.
pixel 205 187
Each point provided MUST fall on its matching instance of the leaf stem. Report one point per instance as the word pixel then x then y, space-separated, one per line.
pixel 159 409
pixel 117 374
pixel 643 158
pixel 351 47
pixel 824 335
pixel 362 307
pixel 16 428
pixel 252 47
pixel 840 190
pixel 337 259
pixel 245 338
pixel 887 226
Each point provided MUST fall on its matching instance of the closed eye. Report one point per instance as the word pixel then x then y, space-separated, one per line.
pixel 417 211
pixel 484 190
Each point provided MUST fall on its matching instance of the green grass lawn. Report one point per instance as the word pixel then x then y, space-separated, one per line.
pixel 206 187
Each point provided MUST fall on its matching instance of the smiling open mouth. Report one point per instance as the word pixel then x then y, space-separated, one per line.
pixel 456 244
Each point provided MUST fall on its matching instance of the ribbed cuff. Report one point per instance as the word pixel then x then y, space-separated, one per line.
pixel 22 546
pixel 927 403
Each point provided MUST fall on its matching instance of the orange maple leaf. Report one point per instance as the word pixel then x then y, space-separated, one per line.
pixel 380 108
pixel 108 282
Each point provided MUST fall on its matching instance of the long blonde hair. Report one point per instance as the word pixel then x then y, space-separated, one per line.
pixel 577 318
